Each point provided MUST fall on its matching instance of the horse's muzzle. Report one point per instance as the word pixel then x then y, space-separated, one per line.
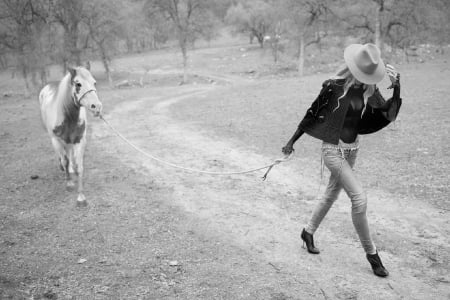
pixel 96 109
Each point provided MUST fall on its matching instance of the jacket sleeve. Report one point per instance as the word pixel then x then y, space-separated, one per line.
pixel 312 114
pixel 379 112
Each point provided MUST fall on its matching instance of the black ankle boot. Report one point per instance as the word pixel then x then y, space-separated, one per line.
pixel 308 239
pixel 377 265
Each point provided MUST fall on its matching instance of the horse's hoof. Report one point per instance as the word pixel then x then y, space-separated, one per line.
pixel 70 186
pixel 81 201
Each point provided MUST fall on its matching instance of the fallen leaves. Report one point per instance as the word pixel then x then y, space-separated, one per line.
pixel 82 261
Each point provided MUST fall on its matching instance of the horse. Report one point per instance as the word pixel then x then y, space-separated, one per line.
pixel 63 108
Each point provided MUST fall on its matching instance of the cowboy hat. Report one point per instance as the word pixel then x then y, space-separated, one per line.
pixel 365 63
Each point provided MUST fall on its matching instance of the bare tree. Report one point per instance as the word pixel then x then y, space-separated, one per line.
pixel 274 39
pixel 187 17
pixel 379 10
pixel 253 17
pixel 305 17
pixel 105 26
pixel 157 30
pixel 401 23
pixel 69 14
pixel 22 30
pixel 220 7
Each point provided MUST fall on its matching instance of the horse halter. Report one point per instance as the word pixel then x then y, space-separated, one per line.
pixel 78 101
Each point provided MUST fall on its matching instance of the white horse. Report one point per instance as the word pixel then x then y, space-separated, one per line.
pixel 63 110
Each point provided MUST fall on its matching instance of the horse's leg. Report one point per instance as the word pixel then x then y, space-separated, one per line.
pixel 63 162
pixel 78 155
pixel 70 184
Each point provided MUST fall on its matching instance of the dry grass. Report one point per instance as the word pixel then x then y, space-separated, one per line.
pixel 408 158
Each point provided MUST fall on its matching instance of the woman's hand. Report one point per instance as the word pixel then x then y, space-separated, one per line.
pixel 394 76
pixel 288 149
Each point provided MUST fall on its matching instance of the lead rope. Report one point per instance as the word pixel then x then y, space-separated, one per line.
pixel 268 167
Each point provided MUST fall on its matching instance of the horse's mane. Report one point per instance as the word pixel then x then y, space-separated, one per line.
pixel 64 97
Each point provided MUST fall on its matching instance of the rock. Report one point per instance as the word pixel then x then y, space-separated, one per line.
pixel 174 263
pixel 50 295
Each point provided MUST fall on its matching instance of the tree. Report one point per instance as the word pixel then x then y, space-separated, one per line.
pixel 188 18
pixel 146 29
pixel 220 8
pixel 105 26
pixel 23 24
pixel 413 21
pixel 305 18
pixel 69 14
pixel 157 30
pixel 401 23
pixel 379 10
pixel 253 17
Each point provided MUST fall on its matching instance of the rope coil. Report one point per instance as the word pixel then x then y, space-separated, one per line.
pixel 268 167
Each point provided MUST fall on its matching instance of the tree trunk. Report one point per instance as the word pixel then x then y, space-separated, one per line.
pixel 3 63
pixel 301 56
pixel 22 65
pixel 260 38
pixel 70 44
pixel 129 43
pixel 106 64
pixel 275 51
pixel 43 75
pixel 64 65
pixel 276 41
pixel 24 71
pixel 76 53
pixel 185 62
pixel 183 43
pixel 378 33
pixel 377 28
pixel 72 55
pixel 405 53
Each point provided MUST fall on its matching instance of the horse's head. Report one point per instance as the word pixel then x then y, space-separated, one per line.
pixel 84 91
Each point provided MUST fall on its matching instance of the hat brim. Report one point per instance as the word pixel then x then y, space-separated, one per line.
pixel 374 78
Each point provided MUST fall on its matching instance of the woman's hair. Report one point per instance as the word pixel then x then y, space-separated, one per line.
pixel 344 73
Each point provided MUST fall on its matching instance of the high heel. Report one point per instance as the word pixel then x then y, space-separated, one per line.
pixel 309 241
pixel 377 265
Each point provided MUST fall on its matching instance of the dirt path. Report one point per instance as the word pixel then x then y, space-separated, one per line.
pixel 264 218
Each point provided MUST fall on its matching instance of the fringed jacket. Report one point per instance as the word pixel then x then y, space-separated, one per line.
pixel 325 118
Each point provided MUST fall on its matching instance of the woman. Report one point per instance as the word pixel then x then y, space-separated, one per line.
pixel 348 105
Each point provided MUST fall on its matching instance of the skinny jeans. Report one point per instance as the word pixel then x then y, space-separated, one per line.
pixel 340 159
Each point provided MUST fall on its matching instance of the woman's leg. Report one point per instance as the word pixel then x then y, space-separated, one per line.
pixel 358 197
pixel 333 161
pixel 322 208
pixel 341 165
pixel 359 207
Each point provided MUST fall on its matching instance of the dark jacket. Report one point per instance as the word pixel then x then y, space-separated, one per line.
pixel 323 121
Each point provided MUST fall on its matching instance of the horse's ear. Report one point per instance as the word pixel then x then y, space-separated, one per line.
pixel 88 65
pixel 72 72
